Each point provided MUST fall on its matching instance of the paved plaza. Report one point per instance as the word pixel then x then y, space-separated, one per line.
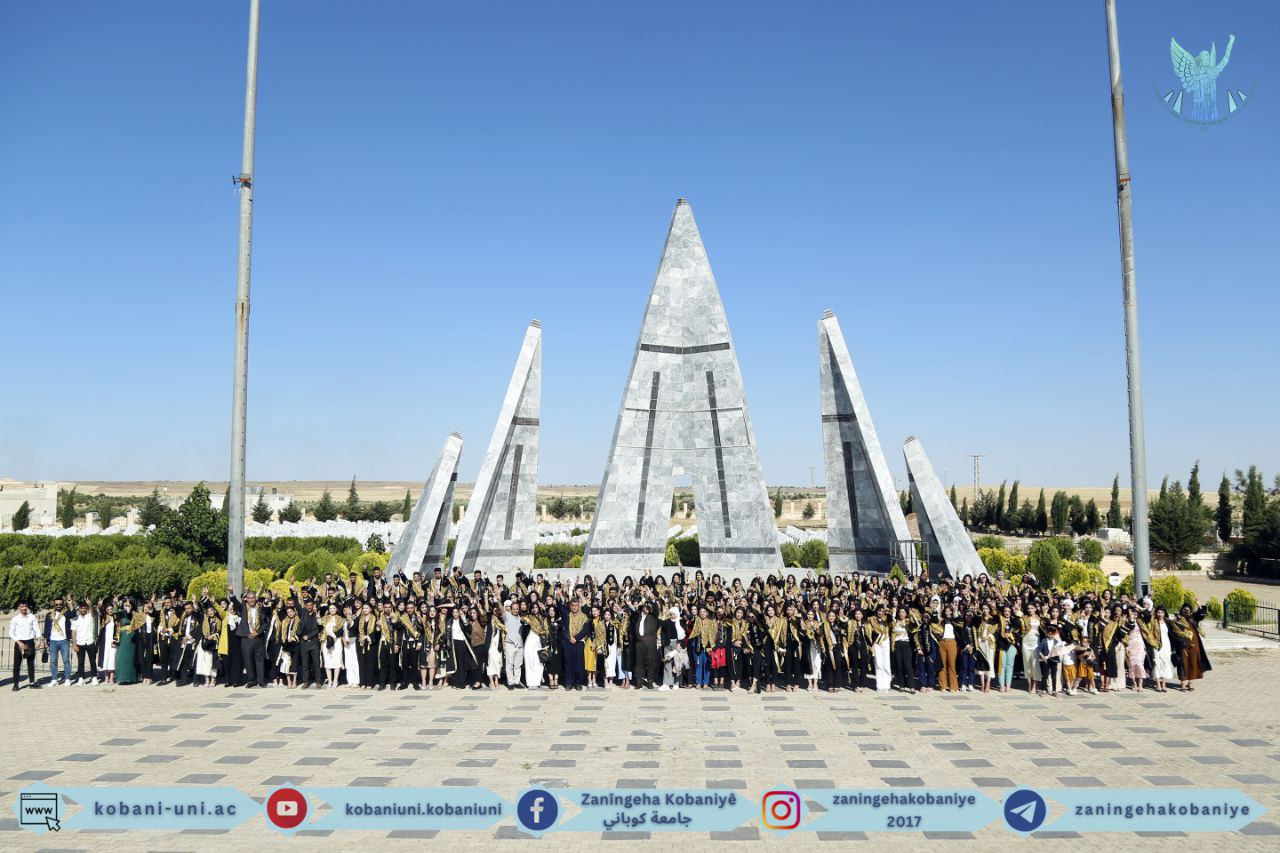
pixel 1224 734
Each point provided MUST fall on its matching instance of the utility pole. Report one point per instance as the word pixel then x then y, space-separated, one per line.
pixel 240 380
pixel 1124 204
pixel 977 472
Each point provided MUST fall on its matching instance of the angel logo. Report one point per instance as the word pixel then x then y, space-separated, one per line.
pixel 1198 76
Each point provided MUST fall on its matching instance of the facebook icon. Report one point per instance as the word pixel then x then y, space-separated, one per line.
pixel 537 810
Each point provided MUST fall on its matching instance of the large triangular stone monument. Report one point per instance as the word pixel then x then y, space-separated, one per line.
pixel 499 530
pixel 865 525
pixel 425 538
pixel 951 551
pixel 683 413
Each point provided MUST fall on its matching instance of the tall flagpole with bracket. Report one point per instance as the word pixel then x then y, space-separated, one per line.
pixel 1124 202
pixel 235 497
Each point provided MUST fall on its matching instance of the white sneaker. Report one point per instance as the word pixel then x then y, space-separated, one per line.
pixel 96 681
pixel 664 687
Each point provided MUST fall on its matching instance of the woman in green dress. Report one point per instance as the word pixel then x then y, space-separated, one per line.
pixel 129 621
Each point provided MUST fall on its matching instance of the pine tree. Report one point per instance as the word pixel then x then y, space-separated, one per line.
pixel 964 512
pixel 1012 512
pixel 291 513
pixel 1075 515
pixel 953 496
pixel 351 511
pixel 808 513
pixel 1176 525
pixel 777 504
pixel 105 508
pixel 67 508
pixel 406 508
pixel 22 518
pixel 1193 485
pixel 261 512
pixel 1091 516
pixel 1042 515
pixel 325 510
pixel 1113 512
pixel 152 511
pixel 1224 508
pixel 195 531
pixel 1026 517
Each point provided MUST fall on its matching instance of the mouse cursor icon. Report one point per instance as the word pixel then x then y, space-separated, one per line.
pixel 53 823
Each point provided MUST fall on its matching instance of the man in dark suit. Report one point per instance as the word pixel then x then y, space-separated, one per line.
pixel 646 654
pixel 309 646
pixel 252 632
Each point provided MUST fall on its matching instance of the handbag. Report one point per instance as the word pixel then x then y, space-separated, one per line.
pixel 717 657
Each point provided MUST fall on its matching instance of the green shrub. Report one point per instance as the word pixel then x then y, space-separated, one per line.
pixel 813 554
pixel 790 553
pixel 895 571
pixel 368 561
pixel 1078 578
pixel 1168 592
pixel 1214 609
pixel 216 581
pixel 1240 605
pixel 671 557
pixel 687 548
pixel 542 563
pixel 1045 563
pixel 139 577
pixel 18 555
pixel 557 554
pixel 269 558
pixel 997 560
pixel 1091 550
pixel 1065 546
pixel 94 549
pixel 989 541
pixel 576 562
pixel 314 565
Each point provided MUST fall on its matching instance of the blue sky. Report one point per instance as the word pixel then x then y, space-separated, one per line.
pixel 431 176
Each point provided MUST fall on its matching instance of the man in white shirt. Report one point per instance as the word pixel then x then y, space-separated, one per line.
pixel 84 637
pixel 514 645
pixel 22 630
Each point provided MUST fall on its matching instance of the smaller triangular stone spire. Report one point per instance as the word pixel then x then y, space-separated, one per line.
pixel 866 530
pixel 951 551
pixel 425 538
pixel 500 528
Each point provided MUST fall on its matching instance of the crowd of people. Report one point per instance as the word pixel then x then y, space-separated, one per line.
pixel 823 632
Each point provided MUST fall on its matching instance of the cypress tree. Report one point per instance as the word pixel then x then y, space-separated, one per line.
pixel 953 495
pixel 1255 502
pixel 67 508
pixel 1012 512
pixel 1000 520
pixel 1113 512
pixel 352 510
pixel 406 508
pixel 1224 508
pixel 1042 515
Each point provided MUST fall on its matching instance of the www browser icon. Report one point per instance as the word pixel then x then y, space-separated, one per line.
pixel 40 810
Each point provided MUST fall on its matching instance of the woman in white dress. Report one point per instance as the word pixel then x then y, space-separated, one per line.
pixel 108 646
pixel 1030 647
pixel 331 651
pixel 350 648
pixel 207 647
pixel 532 648
pixel 1161 651
pixel 985 640
pixel 493 666
pixel 879 631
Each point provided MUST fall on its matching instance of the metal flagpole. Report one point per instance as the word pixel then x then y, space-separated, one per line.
pixel 235 498
pixel 1124 201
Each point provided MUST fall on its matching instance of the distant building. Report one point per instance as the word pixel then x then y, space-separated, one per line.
pixel 41 497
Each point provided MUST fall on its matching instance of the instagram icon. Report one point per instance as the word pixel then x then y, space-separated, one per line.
pixel 780 810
